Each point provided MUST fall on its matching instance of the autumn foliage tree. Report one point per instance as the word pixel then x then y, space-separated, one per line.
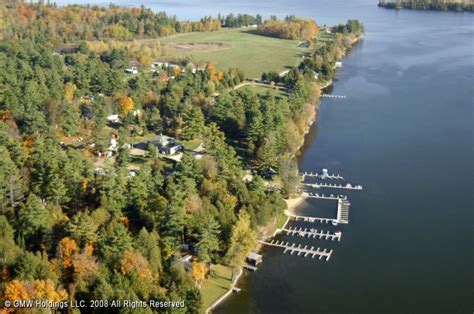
pixel 291 28
pixel 125 104
pixel 34 290
pixel 198 272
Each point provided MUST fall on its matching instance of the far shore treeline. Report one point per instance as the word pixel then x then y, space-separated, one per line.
pixel 90 207
pixel 439 5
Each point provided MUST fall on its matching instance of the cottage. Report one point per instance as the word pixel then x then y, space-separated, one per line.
pixel 131 70
pixel 113 118
pixel 168 145
pixel 158 64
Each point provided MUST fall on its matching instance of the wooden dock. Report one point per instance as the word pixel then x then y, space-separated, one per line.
pixel 320 176
pixel 312 219
pixel 250 267
pixel 333 96
pixel 313 233
pixel 300 250
pixel 325 197
pixel 347 186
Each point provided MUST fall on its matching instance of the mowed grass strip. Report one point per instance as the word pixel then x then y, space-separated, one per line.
pixel 216 285
pixel 254 54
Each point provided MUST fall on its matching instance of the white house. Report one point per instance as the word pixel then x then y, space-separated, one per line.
pixel 113 118
pixel 338 64
pixel 131 70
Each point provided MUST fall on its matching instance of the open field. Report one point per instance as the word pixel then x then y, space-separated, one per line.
pixel 239 48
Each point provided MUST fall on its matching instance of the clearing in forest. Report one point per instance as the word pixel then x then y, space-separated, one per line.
pixel 240 48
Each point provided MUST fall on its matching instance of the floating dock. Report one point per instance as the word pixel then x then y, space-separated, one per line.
pixel 343 211
pixel 325 197
pixel 312 219
pixel 313 233
pixel 333 96
pixel 300 250
pixel 322 176
pixel 347 186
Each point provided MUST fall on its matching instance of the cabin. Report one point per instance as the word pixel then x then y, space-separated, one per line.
pixel 338 64
pixel 131 70
pixel 113 118
pixel 187 262
pixel 158 64
pixel 168 145
pixel 172 149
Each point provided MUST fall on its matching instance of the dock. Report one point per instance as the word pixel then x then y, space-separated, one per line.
pixel 347 186
pixel 300 250
pixel 333 96
pixel 325 197
pixel 250 267
pixel 322 176
pixel 312 219
pixel 313 233
pixel 343 211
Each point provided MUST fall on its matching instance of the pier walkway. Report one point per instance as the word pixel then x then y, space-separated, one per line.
pixel 300 250
pixel 324 197
pixel 347 186
pixel 320 176
pixel 333 96
pixel 312 219
pixel 313 233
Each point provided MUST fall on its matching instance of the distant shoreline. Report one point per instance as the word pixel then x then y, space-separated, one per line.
pixel 451 6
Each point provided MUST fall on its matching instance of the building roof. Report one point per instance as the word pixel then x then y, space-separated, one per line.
pixel 254 256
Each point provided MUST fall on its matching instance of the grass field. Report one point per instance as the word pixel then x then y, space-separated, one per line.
pixel 216 285
pixel 239 48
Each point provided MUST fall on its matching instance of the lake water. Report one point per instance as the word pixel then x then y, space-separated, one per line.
pixel 405 132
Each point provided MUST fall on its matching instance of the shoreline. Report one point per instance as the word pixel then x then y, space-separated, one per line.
pixel 293 202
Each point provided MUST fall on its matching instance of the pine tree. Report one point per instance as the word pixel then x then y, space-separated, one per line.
pixel 208 243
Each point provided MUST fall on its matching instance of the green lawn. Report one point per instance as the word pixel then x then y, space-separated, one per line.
pixel 216 285
pixel 239 48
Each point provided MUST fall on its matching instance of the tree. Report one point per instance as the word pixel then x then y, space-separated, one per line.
pixel 69 90
pixel 241 242
pixel 8 249
pixel 208 237
pixel 125 104
pixel 193 122
pixel 11 183
pixel 198 272
pixel 34 218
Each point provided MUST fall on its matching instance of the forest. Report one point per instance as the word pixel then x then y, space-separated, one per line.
pixel 290 28
pixel 75 228
pixel 440 5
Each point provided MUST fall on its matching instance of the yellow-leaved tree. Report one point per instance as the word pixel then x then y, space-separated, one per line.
pixel 125 104
pixel 69 90
pixel 198 272
pixel 241 242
